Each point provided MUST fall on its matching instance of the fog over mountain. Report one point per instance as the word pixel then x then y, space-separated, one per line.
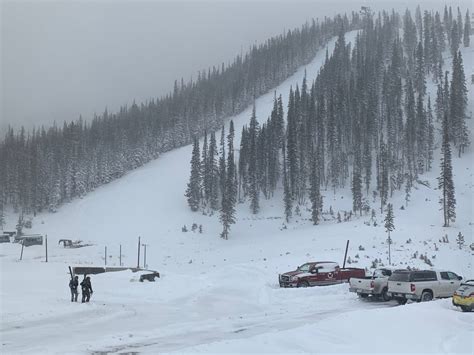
pixel 63 59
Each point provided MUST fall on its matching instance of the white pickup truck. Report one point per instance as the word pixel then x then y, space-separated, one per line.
pixel 375 285
pixel 422 285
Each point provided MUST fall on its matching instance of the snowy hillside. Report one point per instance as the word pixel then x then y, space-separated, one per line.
pixel 220 295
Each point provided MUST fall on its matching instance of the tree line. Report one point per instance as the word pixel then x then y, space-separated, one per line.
pixel 44 167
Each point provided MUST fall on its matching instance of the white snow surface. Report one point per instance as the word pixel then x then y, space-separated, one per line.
pixel 222 296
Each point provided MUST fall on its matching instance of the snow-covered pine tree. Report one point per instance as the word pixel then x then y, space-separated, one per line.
pixel 445 180
pixel 460 26
pixel 409 38
pixel 420 76
pixel 383 174
pixel 458 105
pixel 287 197
pixel 291 145
pixel 454 36
pixel 460 240
pixel 389 227
pixel 430 137
pixel 243 164
pixel 421 135
pixel 205 171
pixel 222 165
pixel 230 196
pixel 427 41
pixel 214 173
pixel 315 193
pixel 467 29
pixel 356 189
pixel 193 192
pixel 252 172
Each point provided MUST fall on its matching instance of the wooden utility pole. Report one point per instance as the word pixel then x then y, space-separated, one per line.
pixel 138 262
pixel 120 255
pixel 345 255
pixel 105 255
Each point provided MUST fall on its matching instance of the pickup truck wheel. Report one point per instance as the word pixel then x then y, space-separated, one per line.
pixel 385 296
pixel 303 284
pixel 466 309
pixel 426 296
pixel 401 301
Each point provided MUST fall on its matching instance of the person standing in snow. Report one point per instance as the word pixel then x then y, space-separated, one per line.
pixel 73 286
pixel 86 289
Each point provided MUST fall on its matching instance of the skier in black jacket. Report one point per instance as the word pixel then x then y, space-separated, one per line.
pixel 73 287
pixel 86 289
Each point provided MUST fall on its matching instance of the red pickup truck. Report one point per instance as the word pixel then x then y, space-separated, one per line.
pixel 318 274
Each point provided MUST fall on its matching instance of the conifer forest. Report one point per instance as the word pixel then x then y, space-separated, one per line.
pixel 365 121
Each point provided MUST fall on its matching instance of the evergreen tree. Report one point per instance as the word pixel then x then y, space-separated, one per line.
pixel 356 190
pixel 315 193
pixel 291 144
pixel 222 165
pixel 420 80
pixel 230 196
pixel 383 175
pixel 253 177
pixel 467 29
pixel 430 137
pixel 287 197
pixel 205 171
pixel 214 173
pixel 389 227
pixel 460 240
pixel 458 105
pixel 409 38
pixel 193 192
pixel 454 38
pixel 445 180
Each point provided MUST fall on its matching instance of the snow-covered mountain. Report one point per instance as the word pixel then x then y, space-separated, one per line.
pixel 220 295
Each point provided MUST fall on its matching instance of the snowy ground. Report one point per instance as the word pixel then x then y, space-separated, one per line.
pixel 222 296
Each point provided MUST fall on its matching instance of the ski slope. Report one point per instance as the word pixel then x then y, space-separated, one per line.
pixel 222 296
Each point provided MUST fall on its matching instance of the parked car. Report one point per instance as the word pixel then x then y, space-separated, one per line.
pixel 464 296
pixel 422 285
pixel 318 274
pixel 375 285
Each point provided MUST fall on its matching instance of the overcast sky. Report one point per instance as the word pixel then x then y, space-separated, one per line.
pixel 66 58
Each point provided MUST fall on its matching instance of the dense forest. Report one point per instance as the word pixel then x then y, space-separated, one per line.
pixel 45 167
pixel 365 122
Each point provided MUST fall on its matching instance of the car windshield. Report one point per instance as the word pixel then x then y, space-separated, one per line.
pixel 304 267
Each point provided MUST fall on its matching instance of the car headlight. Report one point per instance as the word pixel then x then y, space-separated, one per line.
pixel 294 278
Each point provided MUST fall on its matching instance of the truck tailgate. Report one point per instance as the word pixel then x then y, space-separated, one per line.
pixel 399 287
pixel 363 284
